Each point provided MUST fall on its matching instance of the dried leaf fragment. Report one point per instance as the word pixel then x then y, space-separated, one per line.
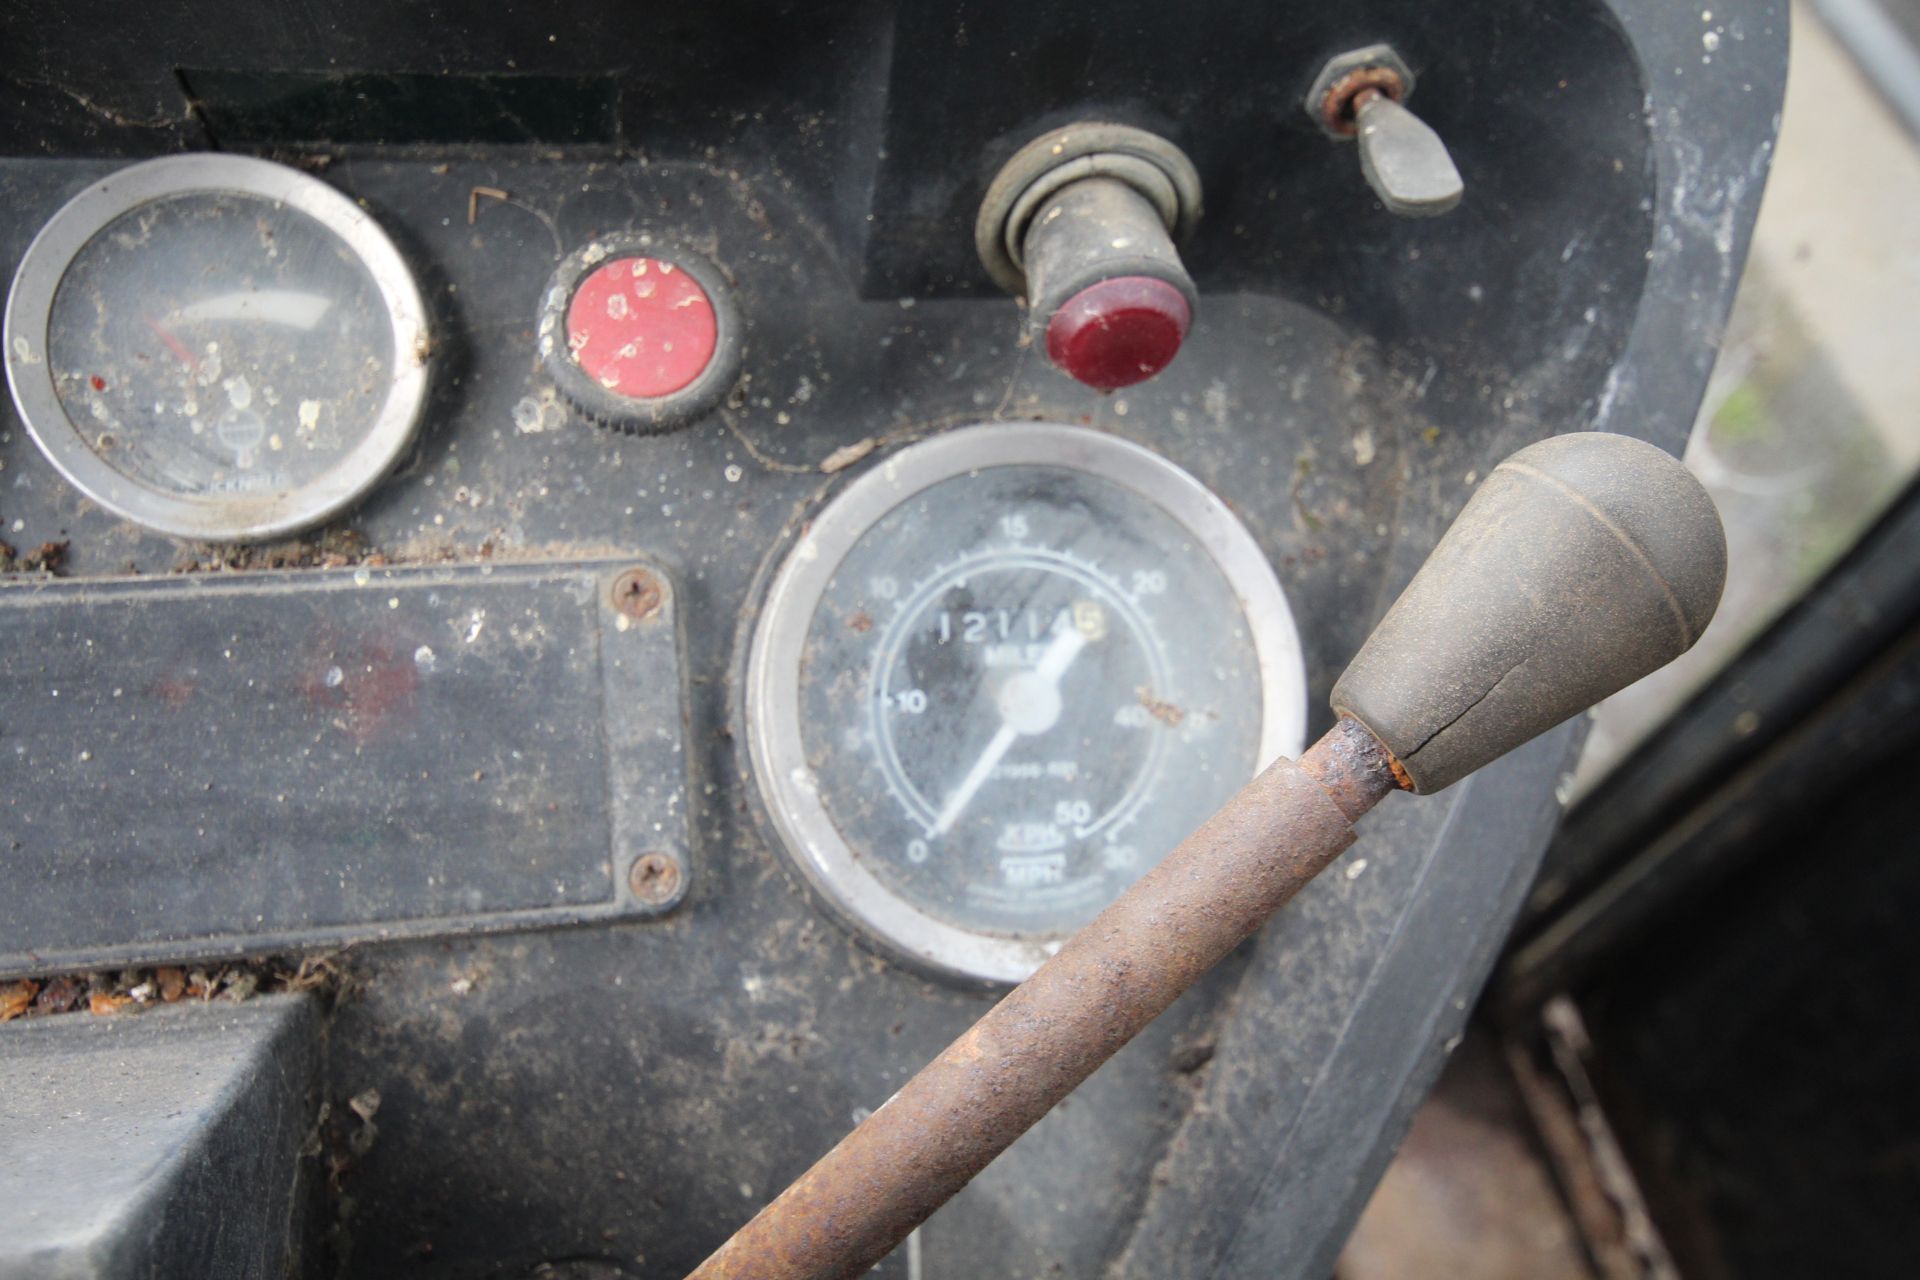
pixel 16 998
pixel 848 454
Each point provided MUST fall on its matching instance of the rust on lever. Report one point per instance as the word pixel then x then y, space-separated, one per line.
pixel 1033 1048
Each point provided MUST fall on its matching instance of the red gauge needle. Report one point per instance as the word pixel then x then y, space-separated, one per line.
pixel 174 344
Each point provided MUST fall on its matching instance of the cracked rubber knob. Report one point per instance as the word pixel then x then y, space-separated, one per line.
pixel 1580 564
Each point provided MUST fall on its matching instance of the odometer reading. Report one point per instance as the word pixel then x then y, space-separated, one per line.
pixel 1016 688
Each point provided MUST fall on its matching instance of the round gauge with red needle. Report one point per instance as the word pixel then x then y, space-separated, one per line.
pixel 218 347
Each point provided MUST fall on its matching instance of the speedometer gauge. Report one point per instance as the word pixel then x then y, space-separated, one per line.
pixel 1003 674
pixel 217 347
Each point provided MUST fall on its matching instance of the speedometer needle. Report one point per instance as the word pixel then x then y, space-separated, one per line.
pixel 1029 704
pixel 976 778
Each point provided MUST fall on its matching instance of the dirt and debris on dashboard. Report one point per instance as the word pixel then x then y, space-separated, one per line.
pixel 128 991
pixel 1167 713
pixel 332 549
pixel 49 558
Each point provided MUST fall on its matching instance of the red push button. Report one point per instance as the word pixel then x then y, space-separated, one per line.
pixel 1119 331
pixel 641 327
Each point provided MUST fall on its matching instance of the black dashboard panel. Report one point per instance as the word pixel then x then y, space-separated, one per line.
pixel 626 1092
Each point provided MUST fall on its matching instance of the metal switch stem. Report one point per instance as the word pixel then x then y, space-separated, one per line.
pixel 1361 95
pixel 1404 160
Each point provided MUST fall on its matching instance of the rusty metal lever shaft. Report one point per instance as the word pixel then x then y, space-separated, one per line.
pixel 1032 1049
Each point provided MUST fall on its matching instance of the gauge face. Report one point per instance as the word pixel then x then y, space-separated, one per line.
pixel 1004 674
pixel 219 343
pixel 217 347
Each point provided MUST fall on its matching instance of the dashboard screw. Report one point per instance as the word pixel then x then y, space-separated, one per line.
pixel 638 593
pixel 654 878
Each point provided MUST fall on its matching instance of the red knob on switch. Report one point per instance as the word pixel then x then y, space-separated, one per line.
pixel 1105 286
pixel 641 327
pixel 1118 332
pixel 638 334
pixel 1083 220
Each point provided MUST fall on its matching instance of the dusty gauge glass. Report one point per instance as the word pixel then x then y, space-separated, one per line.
pixel 217 347
pixel 1002 675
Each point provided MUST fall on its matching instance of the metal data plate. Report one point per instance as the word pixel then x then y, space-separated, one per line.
pixel 224 765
